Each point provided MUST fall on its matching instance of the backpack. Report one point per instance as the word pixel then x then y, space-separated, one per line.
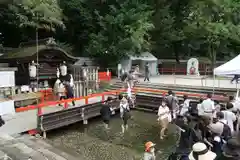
pixel 169 103
pixel 226 134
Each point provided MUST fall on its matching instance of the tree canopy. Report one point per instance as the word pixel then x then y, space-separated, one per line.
pixel 111 30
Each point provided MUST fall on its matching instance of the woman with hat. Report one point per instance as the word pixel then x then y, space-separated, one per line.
pixel 201 152
pixel 149 151
pixel 164 117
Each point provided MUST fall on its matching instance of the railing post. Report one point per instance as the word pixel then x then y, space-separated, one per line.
pixel 86 100
pixel 39 108
pixel 65 105
pixel 103 98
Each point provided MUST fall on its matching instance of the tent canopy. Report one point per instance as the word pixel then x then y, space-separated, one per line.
pixel 232 67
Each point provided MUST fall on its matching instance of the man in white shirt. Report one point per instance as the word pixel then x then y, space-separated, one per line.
pixel 229 116
pixel 199 108
pixel 208 107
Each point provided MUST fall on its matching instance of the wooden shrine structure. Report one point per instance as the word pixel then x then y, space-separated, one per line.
pixel 49 57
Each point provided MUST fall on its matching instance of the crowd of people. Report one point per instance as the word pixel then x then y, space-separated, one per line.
pixel 208 130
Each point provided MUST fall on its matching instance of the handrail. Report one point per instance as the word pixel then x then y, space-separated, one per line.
pixel 65 101
pixel 114 92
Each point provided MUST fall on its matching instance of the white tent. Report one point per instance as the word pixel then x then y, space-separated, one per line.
pixel 232 67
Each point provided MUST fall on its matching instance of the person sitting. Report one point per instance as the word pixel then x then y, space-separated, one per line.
pixel 106 112
pixel 201 152
pixel 229 116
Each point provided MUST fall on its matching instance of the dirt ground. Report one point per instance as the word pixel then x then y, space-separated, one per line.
pixel 93 142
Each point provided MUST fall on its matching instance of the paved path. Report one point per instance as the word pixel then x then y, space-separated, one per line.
pixel 192 81
pixel 28 120
pixel 30 148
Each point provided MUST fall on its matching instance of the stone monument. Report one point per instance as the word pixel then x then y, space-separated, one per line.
pixel 192 67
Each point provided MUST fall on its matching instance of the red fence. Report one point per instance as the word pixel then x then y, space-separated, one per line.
pixel 181 71
pixel 114 92
pixel 104 76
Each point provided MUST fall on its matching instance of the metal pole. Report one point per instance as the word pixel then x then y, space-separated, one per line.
pixel 37 54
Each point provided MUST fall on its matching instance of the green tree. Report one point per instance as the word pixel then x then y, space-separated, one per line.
pixel 212 23
pixel 20 19
pixel 124 30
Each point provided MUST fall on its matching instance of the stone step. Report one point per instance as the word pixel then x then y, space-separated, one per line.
pixel 180 86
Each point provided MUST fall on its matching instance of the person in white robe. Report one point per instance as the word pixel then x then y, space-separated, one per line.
pixel 229 116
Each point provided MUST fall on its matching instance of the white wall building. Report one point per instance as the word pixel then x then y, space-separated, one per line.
pixel 141 60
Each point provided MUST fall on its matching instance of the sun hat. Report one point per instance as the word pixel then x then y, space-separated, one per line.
pixel 149 145
pixel 216 128
pixel 201 152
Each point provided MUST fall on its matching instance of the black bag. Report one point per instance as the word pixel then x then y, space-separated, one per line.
pixel 226 134
pixel 170 103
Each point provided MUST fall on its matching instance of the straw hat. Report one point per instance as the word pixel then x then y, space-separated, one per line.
pixel 216 128
pixel 149 145
pixel 201 152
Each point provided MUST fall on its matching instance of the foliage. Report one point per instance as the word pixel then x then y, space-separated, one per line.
pixel 212 22
pixel 42 14
pixel 110 30
pixel 123 30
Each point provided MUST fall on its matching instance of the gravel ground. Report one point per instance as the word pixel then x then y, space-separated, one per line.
pixel 93 142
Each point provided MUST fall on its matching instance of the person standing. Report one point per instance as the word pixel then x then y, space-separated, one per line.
pixel 164 117
pixel 229 116
pixel 147 72
pixel 106 112
pixel 185 106
pixel 69 92
pixel 172 103
pixel 201 152
pixel 124 112
pixel 235 78
pixel 199 108
pixel 208 107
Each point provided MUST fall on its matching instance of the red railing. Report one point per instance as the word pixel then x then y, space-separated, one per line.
pixel 114 92
pixel 181 71
pixel 104 76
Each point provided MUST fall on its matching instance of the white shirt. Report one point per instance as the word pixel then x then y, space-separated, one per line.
pixel 163 112
pixel 230 118
pixel 123 106
pixel 200 109
pixel 185 107
pixel 223 121
pixel 208 106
